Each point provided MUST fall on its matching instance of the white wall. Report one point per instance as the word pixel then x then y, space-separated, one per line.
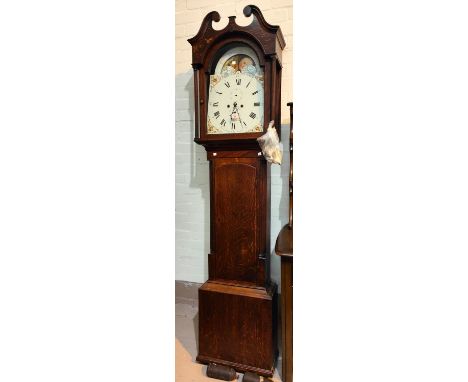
pixel 191 167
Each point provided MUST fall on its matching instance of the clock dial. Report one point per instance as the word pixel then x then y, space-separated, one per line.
pixel 235 104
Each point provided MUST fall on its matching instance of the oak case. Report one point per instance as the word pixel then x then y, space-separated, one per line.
pixel 237 305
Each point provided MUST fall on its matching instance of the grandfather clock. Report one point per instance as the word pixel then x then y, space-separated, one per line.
pixel 237 80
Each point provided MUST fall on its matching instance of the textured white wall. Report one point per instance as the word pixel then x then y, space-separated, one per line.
pixel 191 167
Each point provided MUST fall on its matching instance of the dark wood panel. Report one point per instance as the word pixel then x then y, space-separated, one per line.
pixel 236 327
pixel 284 242
pixel 235 214
pixel 284 248
pixel 287 317
pixel 222 153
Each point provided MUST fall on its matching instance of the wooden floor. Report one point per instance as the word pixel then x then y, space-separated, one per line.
pixel 186 326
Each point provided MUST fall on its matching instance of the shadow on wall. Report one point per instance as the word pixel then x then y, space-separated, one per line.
pixel 279 203
pixel 200 178
pixel 192 189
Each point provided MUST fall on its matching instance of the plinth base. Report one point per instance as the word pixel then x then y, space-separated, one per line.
pixel 237 327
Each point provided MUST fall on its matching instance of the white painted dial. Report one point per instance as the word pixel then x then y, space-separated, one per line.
pixel 235 104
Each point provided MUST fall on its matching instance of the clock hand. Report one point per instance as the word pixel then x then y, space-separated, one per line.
pixel 235 111
pixel 240 120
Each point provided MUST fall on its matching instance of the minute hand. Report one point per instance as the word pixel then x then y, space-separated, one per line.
pixel 236 110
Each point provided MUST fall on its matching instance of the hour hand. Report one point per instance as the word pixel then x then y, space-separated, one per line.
pixel 235 116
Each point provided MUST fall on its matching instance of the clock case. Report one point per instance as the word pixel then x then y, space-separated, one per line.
pixel 238 303
pixel 208 45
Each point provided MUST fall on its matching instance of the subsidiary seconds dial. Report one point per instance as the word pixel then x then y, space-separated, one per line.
pixel 235 104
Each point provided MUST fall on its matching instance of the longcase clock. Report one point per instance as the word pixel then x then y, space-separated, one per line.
pixel 237 81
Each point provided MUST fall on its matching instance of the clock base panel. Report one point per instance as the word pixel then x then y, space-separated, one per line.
pixel 240 368
pixel 237 327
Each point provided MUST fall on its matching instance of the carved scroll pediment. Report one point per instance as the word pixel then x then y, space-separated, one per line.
pixel 269 37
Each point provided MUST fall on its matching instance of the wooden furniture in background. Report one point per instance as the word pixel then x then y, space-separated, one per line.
pixel 284 248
